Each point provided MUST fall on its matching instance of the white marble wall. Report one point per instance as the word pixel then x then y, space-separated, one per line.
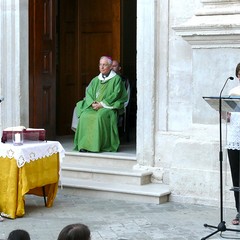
pixel 195 48
pixel 14 62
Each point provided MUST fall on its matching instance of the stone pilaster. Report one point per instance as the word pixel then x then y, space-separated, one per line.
pixel 14 62
pixel 146 17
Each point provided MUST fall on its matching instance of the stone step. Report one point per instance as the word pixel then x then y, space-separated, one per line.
pixel 111 176
pixel 149 193
pixel 105 174
pixel 101 159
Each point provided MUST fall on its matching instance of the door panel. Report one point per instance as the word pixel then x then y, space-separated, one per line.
pixel 42 66
pixel 91 54
pixel 68 85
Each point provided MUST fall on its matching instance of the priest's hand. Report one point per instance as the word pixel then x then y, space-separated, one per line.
pixel 96 106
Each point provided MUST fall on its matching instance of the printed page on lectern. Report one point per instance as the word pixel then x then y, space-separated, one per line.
pixel 229 103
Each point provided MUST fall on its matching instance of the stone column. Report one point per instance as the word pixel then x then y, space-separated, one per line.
pixel 14 62
pixel 146 44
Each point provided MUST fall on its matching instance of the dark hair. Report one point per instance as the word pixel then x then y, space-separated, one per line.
pixel 19 234
pixel 76 231
pixel 237 70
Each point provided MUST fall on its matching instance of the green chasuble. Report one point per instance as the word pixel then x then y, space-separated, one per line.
pixel 97 130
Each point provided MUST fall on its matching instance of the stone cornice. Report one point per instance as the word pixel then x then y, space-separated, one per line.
pixel 219 8
pixel 217 24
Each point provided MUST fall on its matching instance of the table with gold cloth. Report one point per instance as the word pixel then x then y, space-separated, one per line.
pixel 26 169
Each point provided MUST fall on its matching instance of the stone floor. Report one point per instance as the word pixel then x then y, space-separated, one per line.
pixel 119 220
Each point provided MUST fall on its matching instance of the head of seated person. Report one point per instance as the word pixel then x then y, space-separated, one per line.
pixel 76 231
pixel 19 234
pixel 116 67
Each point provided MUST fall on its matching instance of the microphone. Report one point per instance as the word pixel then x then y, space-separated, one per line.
pixel 231 78
pixel 1 99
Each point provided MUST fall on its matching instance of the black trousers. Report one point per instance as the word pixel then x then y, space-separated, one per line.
pixel 234 158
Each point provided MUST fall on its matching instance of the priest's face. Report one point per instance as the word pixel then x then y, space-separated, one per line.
pixel 104 66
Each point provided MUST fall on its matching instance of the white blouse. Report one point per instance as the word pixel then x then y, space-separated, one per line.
pixel 233 131
pixel 233 127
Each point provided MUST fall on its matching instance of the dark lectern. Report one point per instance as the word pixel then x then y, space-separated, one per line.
pixel 222 104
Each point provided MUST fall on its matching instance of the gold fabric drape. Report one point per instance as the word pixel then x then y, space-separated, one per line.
pixel 29 179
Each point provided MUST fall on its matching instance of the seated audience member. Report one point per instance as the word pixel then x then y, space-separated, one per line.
pixel 18 234
pixel 75 231
pixel 97 113
pixel 116 67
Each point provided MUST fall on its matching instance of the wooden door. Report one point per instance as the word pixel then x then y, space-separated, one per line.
pixel 42 66
pixel 87 30
pixel 69 69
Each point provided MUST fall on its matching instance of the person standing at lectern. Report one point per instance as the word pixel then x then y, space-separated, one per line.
pixel 233 146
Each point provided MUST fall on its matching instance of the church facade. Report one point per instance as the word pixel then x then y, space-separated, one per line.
pixel 185 50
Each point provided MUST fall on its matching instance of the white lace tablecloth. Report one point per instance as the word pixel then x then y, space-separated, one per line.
pixel 31 151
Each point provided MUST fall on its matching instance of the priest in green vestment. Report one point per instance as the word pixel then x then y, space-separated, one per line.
pixel 97 129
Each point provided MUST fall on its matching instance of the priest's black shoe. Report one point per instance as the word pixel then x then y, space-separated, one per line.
pixel 83 150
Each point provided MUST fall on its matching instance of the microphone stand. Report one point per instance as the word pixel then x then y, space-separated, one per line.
pixel 222 225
